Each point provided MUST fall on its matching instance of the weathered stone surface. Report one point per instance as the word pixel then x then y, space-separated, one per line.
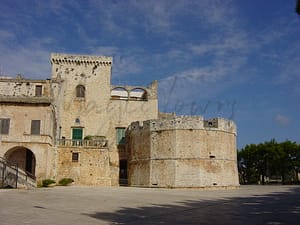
pixel 173 151
pixel 182 152
pixel 55 103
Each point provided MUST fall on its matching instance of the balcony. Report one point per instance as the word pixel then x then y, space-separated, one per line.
pixel 83 143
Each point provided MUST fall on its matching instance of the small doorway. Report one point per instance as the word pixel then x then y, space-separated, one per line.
pixel 123 179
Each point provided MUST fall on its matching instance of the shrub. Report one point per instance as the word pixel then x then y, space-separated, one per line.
pixel 47 182
pixel 65 181
pixel 88 137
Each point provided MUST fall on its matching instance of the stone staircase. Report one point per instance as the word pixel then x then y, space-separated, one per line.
pixel 13 177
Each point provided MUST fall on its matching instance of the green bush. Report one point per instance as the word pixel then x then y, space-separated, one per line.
pixel 47 182
pixel 88 137
pixel 65 181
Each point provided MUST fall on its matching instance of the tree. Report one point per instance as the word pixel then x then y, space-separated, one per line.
pixel 257 163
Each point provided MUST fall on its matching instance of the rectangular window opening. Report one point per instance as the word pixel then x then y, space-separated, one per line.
pixel 38 90
pixel 4 126
pixel 77 136
pixel 120 133
pixel 35 127
pixel 75 156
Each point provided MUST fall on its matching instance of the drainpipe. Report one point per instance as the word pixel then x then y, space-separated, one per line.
pixel 59 133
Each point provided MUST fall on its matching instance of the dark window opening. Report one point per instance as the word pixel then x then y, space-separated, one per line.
pixel 80 91
pixel 38 90
pixel 4 126
pixel 35 127
pixel 75 156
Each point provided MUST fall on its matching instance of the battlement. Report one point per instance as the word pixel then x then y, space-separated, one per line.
pixel 185 123
pixel 58 58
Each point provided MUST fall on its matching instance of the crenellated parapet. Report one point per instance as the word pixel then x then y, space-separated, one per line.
pixel 186 123
pixel 182 151
pixel 80 67
pixel 57 58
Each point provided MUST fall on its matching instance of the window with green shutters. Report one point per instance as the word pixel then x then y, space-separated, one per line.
pixel 77 133
pixel 120 135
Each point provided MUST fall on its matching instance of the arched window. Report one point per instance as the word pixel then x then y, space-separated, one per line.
pixel 119 93
pixel 80 91
pixel 138 94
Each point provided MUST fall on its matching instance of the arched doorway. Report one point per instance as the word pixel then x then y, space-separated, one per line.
pixel 24 157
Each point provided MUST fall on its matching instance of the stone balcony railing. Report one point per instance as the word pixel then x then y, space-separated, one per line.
pixel 82 143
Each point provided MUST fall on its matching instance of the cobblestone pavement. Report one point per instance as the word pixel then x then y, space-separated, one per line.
pixel 76 205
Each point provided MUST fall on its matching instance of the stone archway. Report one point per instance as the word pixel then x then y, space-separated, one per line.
pixel 24 157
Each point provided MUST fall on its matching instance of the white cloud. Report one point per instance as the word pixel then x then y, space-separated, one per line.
pixel 31 62
pixel 282 120
pixel 124 61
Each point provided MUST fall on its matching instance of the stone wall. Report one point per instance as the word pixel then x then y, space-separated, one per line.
pixel 172 151
pixel 92 167
pixel 55 102
pixel 100 111
pixel 182 152
pixel 21 87
pixel 20 137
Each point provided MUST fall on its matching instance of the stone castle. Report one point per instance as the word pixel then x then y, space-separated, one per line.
pixel 78 125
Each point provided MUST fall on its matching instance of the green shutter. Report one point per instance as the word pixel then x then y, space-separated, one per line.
pixel 77 133
pixel 120 136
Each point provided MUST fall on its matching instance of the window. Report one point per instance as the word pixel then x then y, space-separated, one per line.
pixel 119 93
pixel 38 90
pixel 4 126
pixel 138 94
pixel 75 156
pixel 120 135
pixel 77 133
pixel 80 91
pixel 35 127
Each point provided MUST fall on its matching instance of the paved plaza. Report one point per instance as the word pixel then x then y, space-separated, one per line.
pixel 76 205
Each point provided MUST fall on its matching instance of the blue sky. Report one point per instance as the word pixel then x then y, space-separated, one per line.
pixel 238 59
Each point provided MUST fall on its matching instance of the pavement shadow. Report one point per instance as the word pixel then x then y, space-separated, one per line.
pixel 272 209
